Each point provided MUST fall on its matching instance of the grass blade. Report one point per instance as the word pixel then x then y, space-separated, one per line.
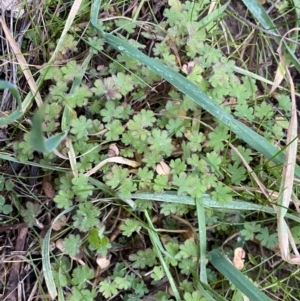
pixel 73 12
pixel 16 114
pixel 208 292
pixel 191 90
pixel 46 258
pixel 216 14
pixel 227 269
pixel 171 197
pixel 202 238
pixel 159 250
pixel 184 85
pixel 7 157
pixel 263 18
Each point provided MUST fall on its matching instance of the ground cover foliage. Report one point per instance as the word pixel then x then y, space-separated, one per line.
pixel 116 185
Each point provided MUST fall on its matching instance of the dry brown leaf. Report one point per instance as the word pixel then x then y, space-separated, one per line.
pixel 239 258
pixel 170 291
pixel 52 246
pixel 188 68
pixel 39 224
pixel 48 189
pixel 78 259
pixel 113 150
pixel 163 169
pixel 72 156
pixel 60 245
pixel 176 4
pixel 279 76
pixel 60 223
pixel 103 262
pixel 285 237
pixel 230 101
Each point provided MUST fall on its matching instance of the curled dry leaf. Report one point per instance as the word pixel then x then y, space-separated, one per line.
pixel 78 259
pixel 163 169
pixel 48 189
pixel 60 245
pixel 239 258
pixel 60 223
pixel 133 171
pixel 230 101
pixel 52 246
pixel 188 68
pixel 170 291
pixel 100 67
pixel 113 150
pixel 176 4
pixel 39 224
pixel 103 262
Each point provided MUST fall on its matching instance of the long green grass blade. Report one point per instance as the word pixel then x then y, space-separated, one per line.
pixel 46 258
pixel 226 268
pixel 159 250
pixel 208 292
pixel 38 141
pixel 202 238
pixel 14 91
pixel 263 18
pixel 191 90
pixel 172 197
pixel 103 187
pixel 210 18
pixel 7 157
pixel 184 85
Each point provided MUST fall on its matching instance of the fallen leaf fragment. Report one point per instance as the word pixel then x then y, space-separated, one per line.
pixel 48 189
pixel 60 245
pixel 60 223
pixel 103 262
pixel 163 169
pixel 113 150
pixel 239 258
pixel 176 4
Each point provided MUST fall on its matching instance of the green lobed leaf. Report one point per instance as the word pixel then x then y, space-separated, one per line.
pixel 191 90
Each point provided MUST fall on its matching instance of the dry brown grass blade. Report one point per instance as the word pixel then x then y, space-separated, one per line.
pixel 72 156
pixel 119 160
pixel 262 187
pixel 23 64
pixel 284 235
